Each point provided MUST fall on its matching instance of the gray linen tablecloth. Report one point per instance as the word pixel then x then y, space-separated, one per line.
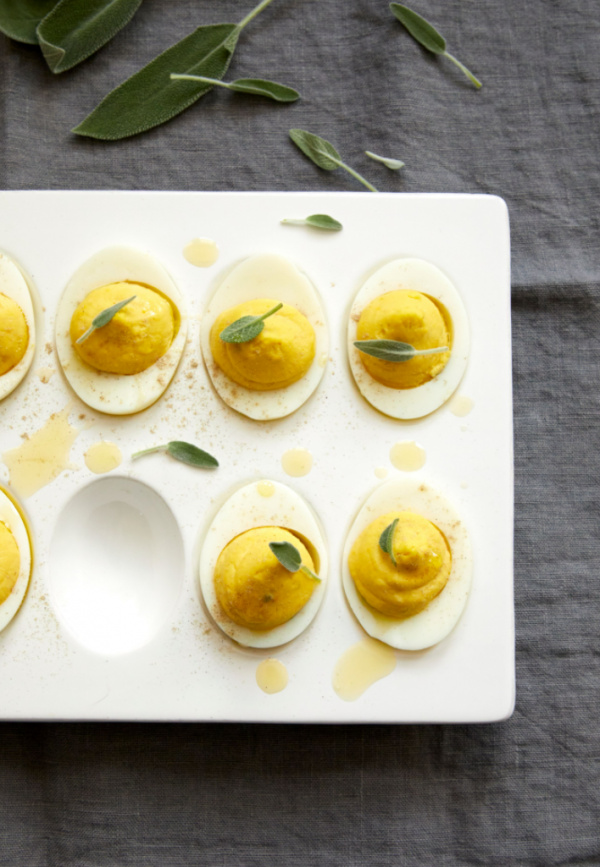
pixel 522 792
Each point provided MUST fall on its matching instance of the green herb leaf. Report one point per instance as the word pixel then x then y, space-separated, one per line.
pixel 184 452
pixel 323 154
pixel 290 558
pixel 394 350
pixel 76 29
pixel 256 86
pixel 392 164
pixel 104 318
pixel 150 97
pixel 19 18
pixel 386 540
pixel 427 36
pixel 246 328
pixel 317 221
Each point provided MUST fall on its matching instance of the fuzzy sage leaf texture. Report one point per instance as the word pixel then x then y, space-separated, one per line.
pixel 19 19
pixel 151 97
pixel 427 36
pixel 76 29
pixel 254 86
pixel 290 558
pixel 323 154
pixel 104 317
pixel 316 221
pixel 187 453
pixel 394 350
pixel 386 540
pixel 247 327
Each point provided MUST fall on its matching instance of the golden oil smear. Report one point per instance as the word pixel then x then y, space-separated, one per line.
pixel 407 456
pixel 201 252
pixel 297 462
pixel 103 457
pixel 271 676
pixel 45 374
pixel 381 472
pixel 265 489
pixel 361 666
pixel 43 456
pixel 461 405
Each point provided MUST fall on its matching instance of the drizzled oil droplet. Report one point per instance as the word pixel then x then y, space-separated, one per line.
pixel 201 252
pixel 265 489
pixel 102 457
pixel 297 462
pixel 407 456
pixel 361 666
pixel 271 676
pixel 460 405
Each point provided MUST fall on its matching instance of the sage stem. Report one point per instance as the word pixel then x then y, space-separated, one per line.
pixel 149 451
pixel 254 13
pixel 463 68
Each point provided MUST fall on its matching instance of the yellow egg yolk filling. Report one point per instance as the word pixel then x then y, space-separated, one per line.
pixel 252 586
pixel 409 317
pixel 10 562
pixel 423 565
pixel 280 355
pixel 135 338
pixel 14 334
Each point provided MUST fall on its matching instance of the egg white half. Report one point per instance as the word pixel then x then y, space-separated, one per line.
pixel 266 276
pixel 440 617
pixel 9 515
pixel 421 276
pixel 246 509
pixel 109 392
pixel 14 285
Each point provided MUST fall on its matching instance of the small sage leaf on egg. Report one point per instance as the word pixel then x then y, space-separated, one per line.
pixel 394 350
pixel 427 36
pixel 386 540
pixel 247 327
pixel 316 221
pixel 290 558
pixel 104 318
pixel 323 154
pixel 76 29
pixel 388 162
pixel 184 452
pixel 255 86
pixel 19 18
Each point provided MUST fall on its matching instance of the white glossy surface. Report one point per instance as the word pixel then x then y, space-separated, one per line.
pixel 189 669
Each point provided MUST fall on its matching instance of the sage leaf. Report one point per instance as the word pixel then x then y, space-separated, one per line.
pixel 316 221
pixel 394 165
pixel 256 86
pixel 103 318
pixel 76 29
pixel 323 154
pixel 386 540
pixel 150 97
pixel 247 327
pixel 184 452
pixel 394 350
pixel 290 558
pixel 19 18
pixel 427 36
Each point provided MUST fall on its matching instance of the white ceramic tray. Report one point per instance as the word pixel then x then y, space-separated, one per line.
pixel 53 666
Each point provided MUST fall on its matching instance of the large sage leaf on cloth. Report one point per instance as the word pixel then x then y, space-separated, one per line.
pixel 19 18
pixel 76 29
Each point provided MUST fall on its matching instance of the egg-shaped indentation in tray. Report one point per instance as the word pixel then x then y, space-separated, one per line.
pixel 116 565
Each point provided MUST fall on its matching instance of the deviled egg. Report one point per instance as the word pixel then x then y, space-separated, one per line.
pixel 274 373
pixel 126 365
pixel 249 594
pixel 410 301
pixel 17 326
pixel 15 559
pixel 411 589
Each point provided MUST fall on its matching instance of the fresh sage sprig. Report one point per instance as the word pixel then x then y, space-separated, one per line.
pixel 290 558
pixel 386 540
pixel 394 165
pixel 184 452
pixel 247 327
pixel 427 36
pixel 316 221
pixel 104 318
pixel 19 19
pixel 151 97
pixel 256 86
pixel 394 350
pixel 75 29
pixel 323 154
